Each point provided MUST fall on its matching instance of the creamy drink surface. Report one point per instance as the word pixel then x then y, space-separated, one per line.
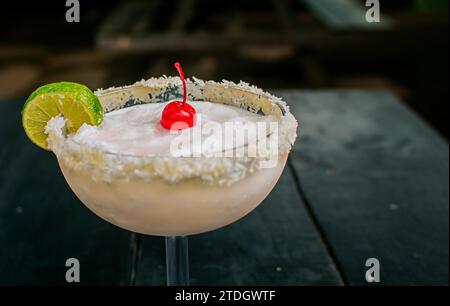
pixel 137 130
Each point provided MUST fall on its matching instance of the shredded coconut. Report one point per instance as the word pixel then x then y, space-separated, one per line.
pixel 107 166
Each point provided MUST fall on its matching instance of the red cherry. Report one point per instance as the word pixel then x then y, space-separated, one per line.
pixel 178 115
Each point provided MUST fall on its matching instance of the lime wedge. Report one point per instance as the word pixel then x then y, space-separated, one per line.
pixel 74 101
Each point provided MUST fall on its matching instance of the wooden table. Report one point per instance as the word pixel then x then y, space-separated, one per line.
pixel 366 179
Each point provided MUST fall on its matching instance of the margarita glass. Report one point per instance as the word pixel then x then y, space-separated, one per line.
pixel 175 196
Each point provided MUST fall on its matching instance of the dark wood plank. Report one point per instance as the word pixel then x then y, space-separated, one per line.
pixel 42 223
pixel 276 244
pixel 376 178
pixel 9 111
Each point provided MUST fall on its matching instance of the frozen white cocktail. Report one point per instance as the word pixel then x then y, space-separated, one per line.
pixel 131 170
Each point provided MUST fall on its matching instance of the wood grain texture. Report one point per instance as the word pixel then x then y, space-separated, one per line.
pixel 276 244
pixel 42 223
pixel 376 179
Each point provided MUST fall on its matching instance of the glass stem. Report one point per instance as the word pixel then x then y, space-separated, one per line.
pixel 177 261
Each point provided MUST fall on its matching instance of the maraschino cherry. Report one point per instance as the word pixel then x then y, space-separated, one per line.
pixel 178 115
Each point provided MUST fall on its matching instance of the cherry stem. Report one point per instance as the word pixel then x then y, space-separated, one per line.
pixel 180 72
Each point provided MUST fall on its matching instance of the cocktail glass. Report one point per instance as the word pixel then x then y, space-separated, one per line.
pixel 156 195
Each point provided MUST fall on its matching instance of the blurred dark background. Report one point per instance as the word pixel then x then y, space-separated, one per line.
pixel 318 44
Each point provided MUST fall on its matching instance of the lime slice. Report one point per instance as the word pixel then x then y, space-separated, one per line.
pixel 74 101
